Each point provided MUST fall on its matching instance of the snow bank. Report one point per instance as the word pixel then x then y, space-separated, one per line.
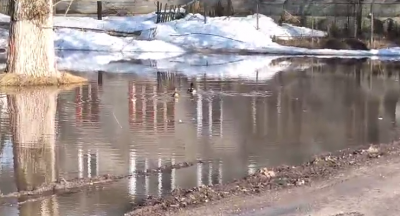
pixel 176 36
pixel 70 39
pixel 225 32
pixel 187 34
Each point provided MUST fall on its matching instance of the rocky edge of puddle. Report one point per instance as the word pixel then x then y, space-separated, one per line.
pixel 62 185
pixel 265 179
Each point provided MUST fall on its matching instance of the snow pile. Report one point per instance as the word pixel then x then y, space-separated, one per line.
pixel 191 32
pixel 225 32
pixel 70 39
pixel 188 33
pixel 229 34
pixel 177 36
pixel 192 23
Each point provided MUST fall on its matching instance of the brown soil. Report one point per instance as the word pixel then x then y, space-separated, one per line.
pixel 320 167
pixel 328 43
pixel 69 186
pixel 349 44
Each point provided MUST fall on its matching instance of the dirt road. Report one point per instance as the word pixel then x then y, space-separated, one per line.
pixel 371 188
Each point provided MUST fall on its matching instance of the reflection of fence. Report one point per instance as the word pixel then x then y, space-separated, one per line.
pixel 143 107
pixel 209 173
pixel 88 164
pixel 87 104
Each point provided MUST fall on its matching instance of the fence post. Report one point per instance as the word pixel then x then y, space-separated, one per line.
pixel 358 18
pixel 205 13
pixel 164 16
pixel 99 10
pixel 312 30
pixel 258 11
pixel 100 78
pixel 158 12
pixel 372 29
pixel 170 12
pixel 174 14
pixel 230 8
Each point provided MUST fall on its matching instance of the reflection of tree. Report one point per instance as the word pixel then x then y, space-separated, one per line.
pixel 45 207
pixel 33 133
pixel 4 132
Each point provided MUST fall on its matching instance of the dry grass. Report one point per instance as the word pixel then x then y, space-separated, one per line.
pixel 317 43
pixel 11 79
pixel 14 90
pixel 303 42
pixel 383 43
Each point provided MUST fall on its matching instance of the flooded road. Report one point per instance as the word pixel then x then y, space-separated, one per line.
pixel 235 124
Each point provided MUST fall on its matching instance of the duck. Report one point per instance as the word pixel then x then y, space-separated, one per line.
pixel 175 94
pixel 191 90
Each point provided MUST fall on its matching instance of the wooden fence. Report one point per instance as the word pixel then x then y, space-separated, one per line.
pixel 167 12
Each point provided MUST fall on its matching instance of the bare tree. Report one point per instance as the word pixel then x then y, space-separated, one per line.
pixel 31 53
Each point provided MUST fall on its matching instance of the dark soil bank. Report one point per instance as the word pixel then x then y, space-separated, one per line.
pixel 319 168
pixel 333 43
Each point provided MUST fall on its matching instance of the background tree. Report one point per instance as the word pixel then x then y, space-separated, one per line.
pixel 31 56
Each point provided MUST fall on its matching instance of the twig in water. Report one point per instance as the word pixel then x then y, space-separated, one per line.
pixel 115 117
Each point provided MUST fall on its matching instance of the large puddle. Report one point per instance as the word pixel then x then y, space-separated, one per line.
pixel 281 113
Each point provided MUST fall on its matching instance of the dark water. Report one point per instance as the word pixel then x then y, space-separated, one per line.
pixel 131 122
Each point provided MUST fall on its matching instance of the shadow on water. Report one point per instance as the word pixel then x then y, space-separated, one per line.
pixel 128 122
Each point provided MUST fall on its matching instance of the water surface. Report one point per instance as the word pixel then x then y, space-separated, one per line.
pixel 235 124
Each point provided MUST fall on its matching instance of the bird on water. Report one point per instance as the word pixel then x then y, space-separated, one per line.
pixel 175 94
pixel 191 90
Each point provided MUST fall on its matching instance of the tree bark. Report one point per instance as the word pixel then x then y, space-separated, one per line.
pixel 32 116
pixel 31 43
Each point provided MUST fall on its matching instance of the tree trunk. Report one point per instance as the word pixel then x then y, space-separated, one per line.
pixel 33 134
pixel 31 43
pixel 359 18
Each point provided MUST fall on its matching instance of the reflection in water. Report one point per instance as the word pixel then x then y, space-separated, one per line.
pixel 34 155
pixel 235 125
pixel 33 125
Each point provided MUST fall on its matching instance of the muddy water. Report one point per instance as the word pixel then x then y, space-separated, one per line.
pixel 130 122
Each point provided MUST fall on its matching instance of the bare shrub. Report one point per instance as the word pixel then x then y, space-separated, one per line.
pixel 286 17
